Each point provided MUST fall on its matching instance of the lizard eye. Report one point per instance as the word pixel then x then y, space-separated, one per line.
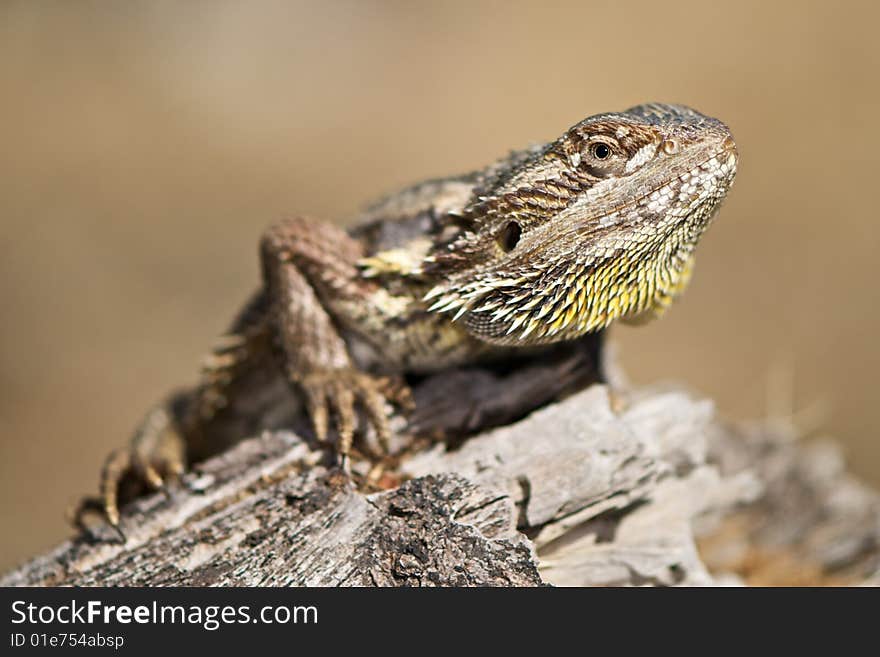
pixel 602 158
pixel 509 237
pixel 600 151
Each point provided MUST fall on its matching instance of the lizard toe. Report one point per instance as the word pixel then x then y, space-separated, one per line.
pixel 115 468
pixel 374 404
pixel 342 402
pixel 341 393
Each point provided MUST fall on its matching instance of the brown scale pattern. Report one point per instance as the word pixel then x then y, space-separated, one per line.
pixel 545 245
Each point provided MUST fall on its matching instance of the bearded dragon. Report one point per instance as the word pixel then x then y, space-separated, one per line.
pixel 544 246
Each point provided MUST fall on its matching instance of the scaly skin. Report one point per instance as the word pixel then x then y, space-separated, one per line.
pixel 546 245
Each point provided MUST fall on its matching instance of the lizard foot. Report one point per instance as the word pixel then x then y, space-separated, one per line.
pixel 155 458
pixel 338 392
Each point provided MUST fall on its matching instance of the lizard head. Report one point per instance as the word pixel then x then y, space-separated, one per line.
pixel 599 225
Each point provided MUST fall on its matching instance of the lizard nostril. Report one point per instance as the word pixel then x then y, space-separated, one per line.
pixel 670 146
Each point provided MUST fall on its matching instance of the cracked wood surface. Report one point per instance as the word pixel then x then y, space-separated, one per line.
pixel 645 488
pixel 262 515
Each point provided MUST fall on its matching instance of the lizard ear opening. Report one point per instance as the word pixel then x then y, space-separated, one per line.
pixel 509 236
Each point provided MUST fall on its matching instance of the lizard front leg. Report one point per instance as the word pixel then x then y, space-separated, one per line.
pixel 306 266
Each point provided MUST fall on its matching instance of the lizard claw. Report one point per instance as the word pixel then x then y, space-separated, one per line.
pixel 93 505
pixel 107 504
pixel 339 393
pixel 155 458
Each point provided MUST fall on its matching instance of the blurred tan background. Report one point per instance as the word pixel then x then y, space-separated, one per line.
pixel 145 146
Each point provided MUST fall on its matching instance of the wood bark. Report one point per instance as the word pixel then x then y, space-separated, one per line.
pixel 634 487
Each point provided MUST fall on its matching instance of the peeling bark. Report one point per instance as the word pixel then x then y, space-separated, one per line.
pixel 596 489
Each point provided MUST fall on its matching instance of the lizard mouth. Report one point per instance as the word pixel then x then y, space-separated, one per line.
pixel 715 171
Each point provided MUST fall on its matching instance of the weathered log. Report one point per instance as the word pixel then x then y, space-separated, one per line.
pixel 642 487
